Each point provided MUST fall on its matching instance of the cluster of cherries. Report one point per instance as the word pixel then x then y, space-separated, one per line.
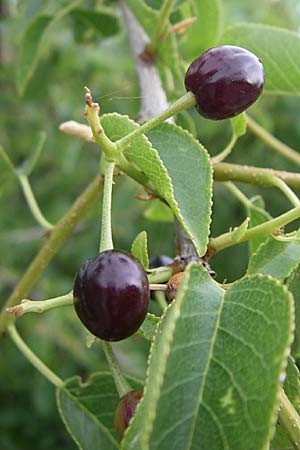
pixel 111 291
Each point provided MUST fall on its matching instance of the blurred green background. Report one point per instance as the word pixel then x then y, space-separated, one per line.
pixel 76 57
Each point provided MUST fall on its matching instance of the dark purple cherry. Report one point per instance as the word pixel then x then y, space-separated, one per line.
pixel 125 410
pixel 225 80
pixel 111 295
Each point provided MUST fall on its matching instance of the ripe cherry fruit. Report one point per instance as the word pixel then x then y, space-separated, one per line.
pixel 125 410
pixel 111 295
pixel 225 80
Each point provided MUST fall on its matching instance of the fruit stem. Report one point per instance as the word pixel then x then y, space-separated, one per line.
pixel 227 150
pixel 40 306
pixel 92 110
pixel 227 239
pixel 158 287
pixel 273 142
pixel 184 102
pixel 161 28
pixel 106 242
pixel 290 420
pixel 33 358
pixel 32 203
pixel 123 387
pixel 59 233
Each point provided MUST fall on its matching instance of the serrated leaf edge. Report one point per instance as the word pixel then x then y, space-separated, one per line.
pixel 168 196
pixel 282 373
pixel 180 218
pixel 176 305
pixel 145 258
pixel 83 408
pixel 259 248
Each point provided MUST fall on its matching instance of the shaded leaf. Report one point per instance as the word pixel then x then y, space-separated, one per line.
pixel 159 211
pixel 189 167
pixel 179 169
pixel 148 327
pixel 32 44
pixel 139 249
pixel 103 21
pixel 87 410
pixel 239 124
pixel 276 258
pixel 199 367
pixel 207 29
pixel 293 284
pixel 258 215
pixel 281 60
pixel 292 389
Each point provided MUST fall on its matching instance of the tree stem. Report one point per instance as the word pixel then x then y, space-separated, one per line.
pixel 229 239
pixel 273 142
pixel 290 420
pixel 123 387
pixel 33 358
pixel 253 175
pixel 59 233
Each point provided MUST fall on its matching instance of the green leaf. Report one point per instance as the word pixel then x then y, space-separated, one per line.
pixel 33 43
pixel 206 30
pixel 139 249
pixel 179 169
pixel 103 21
pixel 189 167
pixel 87 410
pixel 142 155
pixel 281 60
pixel 258 215
pixel 201 391
pixel 292 389
pixel 148 327
pixel 239 124
pixel 239 232
pixel 28 165
pixel 276 258
pixel 293 284
pixel 158 211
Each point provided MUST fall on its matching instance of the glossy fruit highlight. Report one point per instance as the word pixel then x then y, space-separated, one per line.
pixel 125 410
pixel 225 80
pixel 111 295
